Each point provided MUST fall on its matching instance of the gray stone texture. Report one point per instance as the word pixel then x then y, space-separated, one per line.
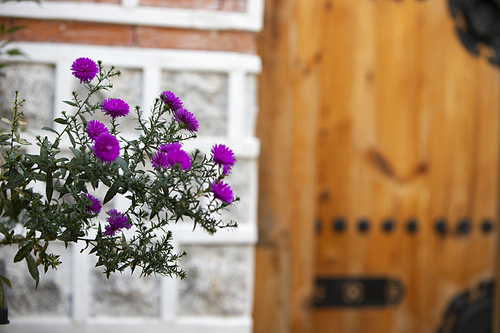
pixel 241 178
pixel 128 87
pixel 52 297
pixel 251 106
pixel 123 295
pixel 35 83
pixel 217 280
pixel 203 94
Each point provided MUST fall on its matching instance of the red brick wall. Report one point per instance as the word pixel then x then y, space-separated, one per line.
pixel 132 35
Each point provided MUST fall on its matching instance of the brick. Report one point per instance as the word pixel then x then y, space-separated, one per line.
pixel 73 32
pixel 233 41
pixel 126 35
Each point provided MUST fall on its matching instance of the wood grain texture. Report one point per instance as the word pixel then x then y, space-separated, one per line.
pixel 289 104
pixel 409 128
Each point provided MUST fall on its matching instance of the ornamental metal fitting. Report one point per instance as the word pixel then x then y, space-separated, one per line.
pixel 478 26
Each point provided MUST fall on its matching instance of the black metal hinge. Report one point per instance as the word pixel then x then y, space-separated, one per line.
pixel 357 292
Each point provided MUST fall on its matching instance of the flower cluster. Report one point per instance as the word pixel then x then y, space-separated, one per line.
pixel 117 221
pixel 84 69
pixel 224 157
pixel 115 107
pixel 170 156
pixel 172 102
pixel 94 128
pixel 106 147
pixel 95 207
pixel 181 184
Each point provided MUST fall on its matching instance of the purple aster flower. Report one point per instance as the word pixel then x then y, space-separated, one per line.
pixel 117 221
pixel 178 157
pixel 172 101
pixel 94 128
pixel 115 107
pixel 84 69
pixel 224 157
pixel 106 147
pixel 96 206
pixel 222 191
pixel 159 160
pixel 185 117
pixel 165 148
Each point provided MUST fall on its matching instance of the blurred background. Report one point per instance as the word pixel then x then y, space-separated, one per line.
pixel 367 139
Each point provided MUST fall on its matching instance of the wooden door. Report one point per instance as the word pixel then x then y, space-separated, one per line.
pixel 408 131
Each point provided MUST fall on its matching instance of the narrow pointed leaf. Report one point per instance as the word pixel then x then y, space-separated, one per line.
pixel 49 188
pixel 23 252
pixel 33 269
pixel 50 129
pixel 6 281
pixel 61 121
pixel 111 193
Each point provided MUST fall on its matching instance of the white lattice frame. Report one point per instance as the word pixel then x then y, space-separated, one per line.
pixel 152 62
pixel 131 13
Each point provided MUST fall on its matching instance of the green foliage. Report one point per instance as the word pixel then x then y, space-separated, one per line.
pixel 157 198
pixel 5 35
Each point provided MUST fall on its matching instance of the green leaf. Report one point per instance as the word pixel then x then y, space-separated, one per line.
pixel 23 252
pixel 15 179
pixel 24 142
pixel 33 269
pixel 14 52
pixel 49 188
pixel 50 129
pixel 4 230
pixel 123 165
pixel 105 180
pixel 34 158
pixel 84 121
pixel 13 29
pixel 111 192
pixel 5 120
pixel 72 139
pixel 61 121
pixel 6 281
pixel 70 103
pixel 76 152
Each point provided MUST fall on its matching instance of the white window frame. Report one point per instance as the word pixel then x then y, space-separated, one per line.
pixel 129 12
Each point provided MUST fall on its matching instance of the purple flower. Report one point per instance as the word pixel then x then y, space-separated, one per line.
pixel 159 160
pixel 185 117
pixel 172 101
pixel 115 107
pixel 106 147
pixel 222 191
pixel 178 157
pixel 94 128
pixel 165 148
pixel 224 157
pixel 95 208
pixel 117 221
pixel 84 69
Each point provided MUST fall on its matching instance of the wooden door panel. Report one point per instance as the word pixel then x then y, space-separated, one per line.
pixel 408 129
